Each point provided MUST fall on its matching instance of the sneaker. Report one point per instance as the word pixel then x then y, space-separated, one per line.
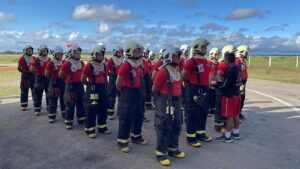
pixel 194 143
pixel 146 119
pixel 150 107
pixel 92 135
pixel 124 147
pixel 37 113
pixel 69 127
pixel 203 137
pixel 139 140
pixel 220 129
pixel 51 121
pixel 242 117
pixel 177 154
pixel 163 160
pixel 236 136
pixel 110 117
pixel 224 139
pixel 105 130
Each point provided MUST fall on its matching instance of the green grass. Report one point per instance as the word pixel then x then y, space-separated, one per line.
pixel 10 83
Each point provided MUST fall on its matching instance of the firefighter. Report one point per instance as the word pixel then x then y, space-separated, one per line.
pixel 183 58
pixel 159 63
pixel 71 72
pixel 56 85
pixel 94 75
pixel 152 60
pixel 113 65
pixel 130 105
pixel 41 81
pixel 213 63
pixel 27 77
pixel 147 79
pixel 242 57
pixel 168 115
pixel 229 80
pixel 195 75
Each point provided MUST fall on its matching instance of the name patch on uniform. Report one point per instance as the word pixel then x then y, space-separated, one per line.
pixel 96 72
pixel 73 69
pixel 201 68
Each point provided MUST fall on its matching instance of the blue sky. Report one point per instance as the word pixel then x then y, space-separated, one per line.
pixel 268 27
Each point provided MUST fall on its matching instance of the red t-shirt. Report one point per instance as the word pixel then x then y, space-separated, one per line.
pixel 124 72
pixel 148 67
pixel 182 62
pixel 111 67
pixel 203 69
pixel 76 77
pixel 243 68
pixel 53 71
pixel 213 66
pixel 222 67
pixel 160 81
pixel 157 65
pixel 99 75
pixel 24 67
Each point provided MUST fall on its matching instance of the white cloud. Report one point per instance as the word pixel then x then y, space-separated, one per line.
pixel 103 27
pixel 101 13
pixel 4 17
pixel 73 36
pixel 244 13
pixel 153 36
pixel 213 27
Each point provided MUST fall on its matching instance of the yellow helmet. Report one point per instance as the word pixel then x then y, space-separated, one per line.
pixel 213 52
pixel 242 51
pixel 227 49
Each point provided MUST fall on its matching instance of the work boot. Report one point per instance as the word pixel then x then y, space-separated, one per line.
pixel 203 137
pixel 124 147
pixel 194 143
pixel 163 160
pixel 177 154
pixel 139 140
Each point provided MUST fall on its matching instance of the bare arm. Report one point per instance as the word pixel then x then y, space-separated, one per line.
pixel 62 75
pixel 185 76
pixel 47 73
pixel 119 82
pixel 84 79
pixel 155 90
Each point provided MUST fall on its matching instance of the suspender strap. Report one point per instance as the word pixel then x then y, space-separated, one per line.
pixel 93 74
pixel 114 68
pixel 130 75
pixel 70 71
pixel 169 83
pixel 197 72
pixel 104 73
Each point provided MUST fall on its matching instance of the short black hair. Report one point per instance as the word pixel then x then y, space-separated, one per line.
pixel 230 57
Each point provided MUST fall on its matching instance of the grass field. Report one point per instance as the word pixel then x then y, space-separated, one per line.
pixel 283 70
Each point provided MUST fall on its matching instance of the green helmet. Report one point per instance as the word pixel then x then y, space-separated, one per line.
pixel 197 44
pixel 130 47
pixel 242 51
pixel 98 48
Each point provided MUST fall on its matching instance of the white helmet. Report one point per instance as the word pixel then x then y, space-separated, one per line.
pixel 98 48
pixel 213 52
pixel 227 49
pixel 242 51
pixel 168 53
pixel 184 47
pixel 57 49
pixel 43 47
pixel 161 52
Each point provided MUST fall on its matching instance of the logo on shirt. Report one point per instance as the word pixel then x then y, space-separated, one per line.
pixel 201 68
pixel 133 73
pixel 171 79
pixel 73 68
pixel 96 72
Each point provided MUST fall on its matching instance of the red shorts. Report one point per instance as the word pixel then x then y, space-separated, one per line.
pixel 231 106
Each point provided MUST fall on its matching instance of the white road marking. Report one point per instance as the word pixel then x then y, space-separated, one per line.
pixel 277 99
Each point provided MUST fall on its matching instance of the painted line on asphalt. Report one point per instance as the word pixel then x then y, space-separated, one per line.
pixel 277 99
